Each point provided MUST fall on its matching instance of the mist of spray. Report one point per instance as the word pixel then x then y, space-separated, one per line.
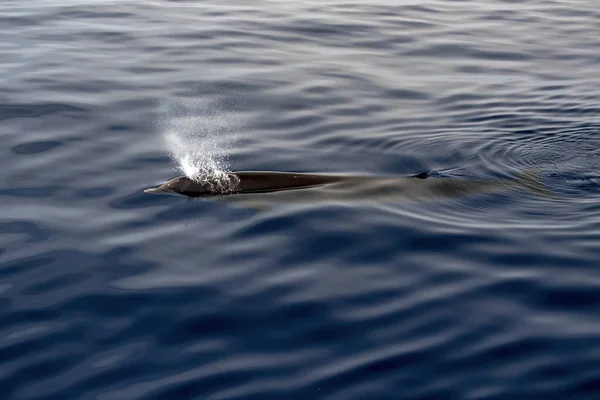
pixel 197 135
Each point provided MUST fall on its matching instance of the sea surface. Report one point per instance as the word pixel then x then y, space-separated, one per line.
pixel 110 293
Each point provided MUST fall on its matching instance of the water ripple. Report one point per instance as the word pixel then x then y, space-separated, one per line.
pixel 107 292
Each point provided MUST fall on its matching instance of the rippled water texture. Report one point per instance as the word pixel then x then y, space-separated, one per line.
pixel 110 293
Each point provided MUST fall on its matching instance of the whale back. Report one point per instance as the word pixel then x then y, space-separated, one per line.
pixel 208 185
pixel 263 182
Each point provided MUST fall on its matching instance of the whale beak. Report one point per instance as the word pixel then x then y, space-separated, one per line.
pixel 154 190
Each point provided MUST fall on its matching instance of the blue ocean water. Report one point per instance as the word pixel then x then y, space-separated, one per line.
pixel 110 293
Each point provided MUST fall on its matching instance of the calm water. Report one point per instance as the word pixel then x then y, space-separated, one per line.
pixel 109 293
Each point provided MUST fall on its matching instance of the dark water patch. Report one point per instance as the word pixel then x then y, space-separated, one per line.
pixel 106 306
pixel 115 37
pixel 34 192
pixel 274 225
pixel 119 128
pixel 25 265
pixel 406 94
pixel 150 70
pixel 72 13
pixel 95 192
pixel 469 51
pixel 33 231
pixel 24 339
pixel 8 111
pixel 35 147
pixel 585 386
pixel 57 283
pixel 44 367
pixel 203 326
pixel 180 209
pixel 31 316
pixel 577 299
pixel 16 21
pixel 325 30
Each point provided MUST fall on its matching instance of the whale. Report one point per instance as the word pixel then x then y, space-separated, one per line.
pixel 260 187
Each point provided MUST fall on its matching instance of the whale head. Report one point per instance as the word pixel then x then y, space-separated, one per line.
pixel 203 186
